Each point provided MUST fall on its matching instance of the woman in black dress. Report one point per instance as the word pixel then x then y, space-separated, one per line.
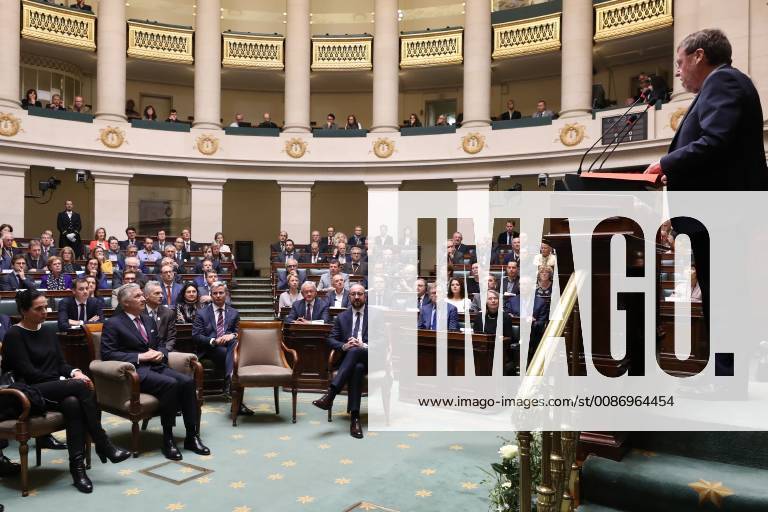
pixel 187 304
pixel 35 357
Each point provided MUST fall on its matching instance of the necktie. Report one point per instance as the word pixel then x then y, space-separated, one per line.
pixel 418 302
pixel 168 295
pixel 142 331
pixel 355 268
pixel 509 239
pixel 220 324
pixel 308 315
pixel 81 316
pixel 433 324
pixel 358 319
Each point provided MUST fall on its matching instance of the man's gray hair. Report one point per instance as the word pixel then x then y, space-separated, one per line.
pixel 291 260
pixel 125 291
pixel 151 284
pixel 308 284
pixel 218 284
pixel 713 41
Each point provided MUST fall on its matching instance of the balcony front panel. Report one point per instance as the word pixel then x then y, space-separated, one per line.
pixel 621 18
pixel 155 41
pixel 253 51
pixel 432 48
pixel 526 37
pixel 342 53
pixel 50 23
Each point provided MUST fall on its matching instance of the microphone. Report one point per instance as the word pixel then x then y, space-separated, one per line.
pixel 643 97
pixel 621 135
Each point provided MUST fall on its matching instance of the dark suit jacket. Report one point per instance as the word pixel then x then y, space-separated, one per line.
pixel 280 257
pixel 506 117
pixel 502 238
pixel 425 318
pixel 175 290
pixel 52 251
pixel 282 281
pixel 125 243
pixel 299 308
pixel 540 307
pixel 121 341
pixel 117 278
pixel 166 327
pixel 33 264
pixel 65 225
pixel 275 247
pixel 307 257
pixel 510 286
pixel 331 298
pixel 5 324
pixel 719 143
pixel 10 282
pixel 480 325
pixel 69 310
pixel 355 240
pixel 362 271
pixel 204 327
pixel 343 326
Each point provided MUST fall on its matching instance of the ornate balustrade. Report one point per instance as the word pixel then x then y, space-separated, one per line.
pixel 432 47
pixel 525 37
pixel 157 41
pixel 342 53
pixel 620 18
pixel 254 51
pixel 58 25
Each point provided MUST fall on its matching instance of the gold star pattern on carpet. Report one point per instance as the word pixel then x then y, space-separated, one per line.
pixel 711 491
pixel 58 461
pixel 241 451
pixel 135 491
pixel 237 485
pixel 646 453
pixel 205 457
pixel 32 492
pixel 203 480
pixel 324 446
pixel 456 447
pixel 241 508
pixel 237 436
pixel 428 471
pixel 423 493
pixel 373 434
pixel 403 446
pixel 342 481
pixel 187 470
pixel 288 464
pixel 276 476
pixel 367 506
pixel 175 506
pixel 345 461
pixel 271 455
pixel 469 485
pixel 125 472
pixel 414 435
pixel 314 422
pixel 305 499
pixel 284 438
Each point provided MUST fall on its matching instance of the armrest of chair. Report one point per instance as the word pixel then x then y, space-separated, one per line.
pixel 332 359
pixel 294 363
pixel 25 405
pixel 116 382
pixel 188 364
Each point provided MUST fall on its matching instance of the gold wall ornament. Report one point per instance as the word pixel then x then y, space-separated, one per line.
pixel 112 137
pixel 336 53
pixel 572 134
pixel 676 117
pixel 58 25
pixel 10 125
pixel 383 147
pixel 473 143
pixel 525 37
pixel 156 41
pixel 207 144
pixel 256 51
pixel 620 18
pixel 432 48
pixel 295 147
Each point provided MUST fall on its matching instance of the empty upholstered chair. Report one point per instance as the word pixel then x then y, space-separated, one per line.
pixel 260 362
pixel 117 384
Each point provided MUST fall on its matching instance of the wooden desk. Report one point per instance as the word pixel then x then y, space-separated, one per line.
pixel 310 341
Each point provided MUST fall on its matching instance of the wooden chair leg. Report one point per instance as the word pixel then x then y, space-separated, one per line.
pixel 135 439
pixel 277 400
pixel 24 459
pixel 293 397
pixel 38 453
pixel 330 413
pixel 144 424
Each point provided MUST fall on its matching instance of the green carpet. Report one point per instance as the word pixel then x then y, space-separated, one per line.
pixel 269 464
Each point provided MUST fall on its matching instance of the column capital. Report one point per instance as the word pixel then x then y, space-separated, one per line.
pixel 10 48
pixel 296 186
pixel 483 183
pixel 207 183
pixel 13 170
pixel 384 185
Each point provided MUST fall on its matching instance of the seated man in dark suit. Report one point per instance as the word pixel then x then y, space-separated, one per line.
pixel 206 265
pixel 509 233
pixel 339 297
pixel 34 257
pixel 428 316
pixel 17 278
pixel 80 309
pixel 314 255
pixel 279 246
pixel 170 287
pixel 355 265
pixel 288 254
pixel 510 113
pixel 350 336
pixel 130 336
pixel 291 268
pixel 130 233
pixel 163 317
pixel 309 308
pixel 131 264
pixel 214 333
pixel 267 122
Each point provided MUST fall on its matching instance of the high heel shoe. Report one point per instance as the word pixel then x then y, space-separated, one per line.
pixel 79 478
pixel 107 450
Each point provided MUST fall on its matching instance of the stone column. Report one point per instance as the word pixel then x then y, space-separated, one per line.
pixel 111 208
pixel 297 66
pixel 473 201
pixel 12 185
pixel 577 31
pixel 758 51
pixel 386 67
pixel 295 209
pixel 208 65
pixel 207 207
pixel 10 48
pixel 686 15
pixel 110 64
pixel 383 207
pixel 477 64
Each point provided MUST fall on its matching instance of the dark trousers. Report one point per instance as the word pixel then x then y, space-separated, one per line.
pixel 221 355
pixel 75 400
pixel 174 391
pixel 353 369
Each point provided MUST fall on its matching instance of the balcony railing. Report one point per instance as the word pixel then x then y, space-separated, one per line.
pixel 342 53
pixel 253 51
pixel 525 37
pixel 432 47
pixel 157 41
pixel 620 18
pixel 58 25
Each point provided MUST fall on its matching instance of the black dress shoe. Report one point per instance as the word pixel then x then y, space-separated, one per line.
pixel 8 468
pixel 325 402
pixel 79 478
pixel 109 451
pixel 355 429
pixel 170 450
pixel 244 411
pixel 194 444
pixel 51 443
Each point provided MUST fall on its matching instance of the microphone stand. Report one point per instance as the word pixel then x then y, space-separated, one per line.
pixel 620 137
